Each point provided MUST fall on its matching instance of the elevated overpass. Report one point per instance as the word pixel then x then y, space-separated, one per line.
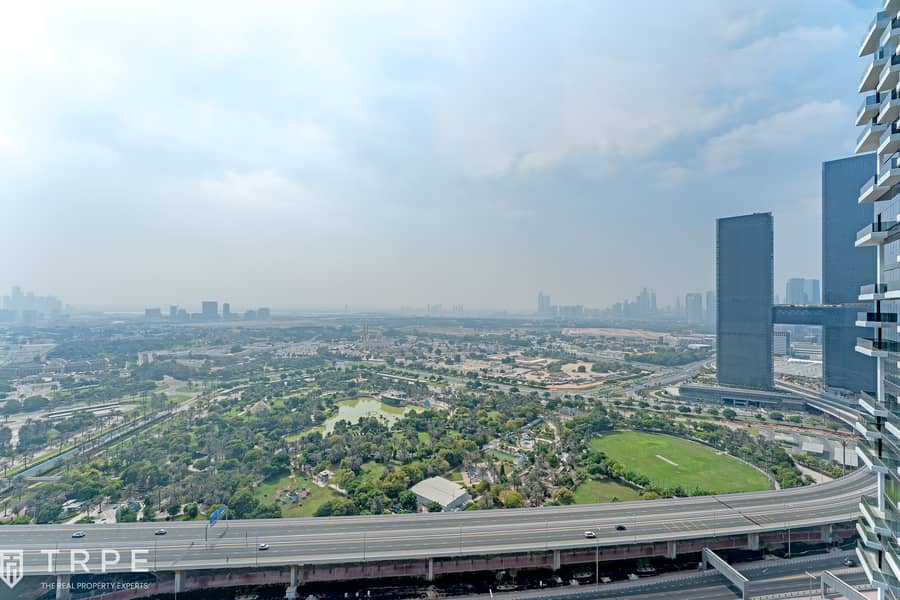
pixel 435 543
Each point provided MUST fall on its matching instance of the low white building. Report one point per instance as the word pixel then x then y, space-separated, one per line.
pixel 451 496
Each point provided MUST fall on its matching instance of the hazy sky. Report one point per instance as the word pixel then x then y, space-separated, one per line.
pixel 304 154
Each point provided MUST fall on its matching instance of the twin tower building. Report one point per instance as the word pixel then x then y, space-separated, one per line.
pixel 745 286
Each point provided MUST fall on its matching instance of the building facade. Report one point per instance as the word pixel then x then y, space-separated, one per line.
pixel 845 268
pixel 693 304
pixel 878 549
pixel 744 293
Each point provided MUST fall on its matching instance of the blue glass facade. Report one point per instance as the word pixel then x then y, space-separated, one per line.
pixel 745 288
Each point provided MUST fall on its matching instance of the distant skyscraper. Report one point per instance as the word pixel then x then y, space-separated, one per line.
pixel 679 313
pixel 795 291
pixel 173 312
pixel 744 292
pixel 711 308
pixel 263 313
pixel 693 305
pixel 152 313
pixel 209 310
pixel 543 307
pixel 811 289
pixel 226 311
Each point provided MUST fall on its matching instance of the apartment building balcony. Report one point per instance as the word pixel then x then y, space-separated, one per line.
pixel 868 537
pixel 869 79
pixel 871 191
pixel 872 462
pixel 877 348
pixel 869 137
pixel 877 233
pixel 888 143
pixel 890 73
pixel 891 6
pixel 868 428
pixel 873 34
pixel 879 291
pixel 868 109
pixel 889 107
pixel 872 406
pixel 876 319
pixel 891 33
pixel 868 560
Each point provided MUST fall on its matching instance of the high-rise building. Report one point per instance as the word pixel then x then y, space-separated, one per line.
pixel 845 269
pixel 693 305
pixel 209 310
pixel 262 313
pixel 226 311
pixel 744 284
pixel 544 306
pixel 173 312
pixel 811 289
pixel 795 291
pixel 152 313
pixel 878 549
pixel 711 309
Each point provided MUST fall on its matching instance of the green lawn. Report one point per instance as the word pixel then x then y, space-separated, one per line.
pixel 503 455
pixel 372 472
pixel 591 492
pixel 267 490
pixel 696 465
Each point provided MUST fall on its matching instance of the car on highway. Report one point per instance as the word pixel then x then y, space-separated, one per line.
pixel 620 528
pixel 590 535
pixel 263 546
pixel 161 531
pixel 849 562
pixel 79 534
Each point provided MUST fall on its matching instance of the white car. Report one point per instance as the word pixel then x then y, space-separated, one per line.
pixel 79 534
pixel 161 531
pixel 263 546
pixel 590 535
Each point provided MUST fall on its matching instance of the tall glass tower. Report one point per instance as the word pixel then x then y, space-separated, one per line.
pixel 878 115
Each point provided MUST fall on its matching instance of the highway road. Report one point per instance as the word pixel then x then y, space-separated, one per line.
pixel 419 536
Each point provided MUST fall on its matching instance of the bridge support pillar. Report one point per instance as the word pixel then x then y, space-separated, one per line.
pixel 62 587
pixel 753 541
pixel 825 534
pixel 672 550
pixel 429 576
pixel 556 560
pixel 296 580
pixel 179 581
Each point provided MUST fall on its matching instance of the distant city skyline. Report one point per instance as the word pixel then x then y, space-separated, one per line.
pixel 387 164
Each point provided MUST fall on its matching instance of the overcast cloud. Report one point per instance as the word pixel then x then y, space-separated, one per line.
pixel 305 154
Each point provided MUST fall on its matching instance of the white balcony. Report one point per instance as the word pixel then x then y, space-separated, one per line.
pixel 891 7
pixel 869 405
pixel 872 463
pixel 871 191
pixel 890 74
pixel 889 109
pixel 870 237
pixel 870 434
pixel 868 138
pixel 890 34
pixel 870 77
pixel 888 141
pixel 869 109
pixel 873 34
pixel 889 171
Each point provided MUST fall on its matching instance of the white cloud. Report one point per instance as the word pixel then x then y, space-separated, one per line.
pixel 789 130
